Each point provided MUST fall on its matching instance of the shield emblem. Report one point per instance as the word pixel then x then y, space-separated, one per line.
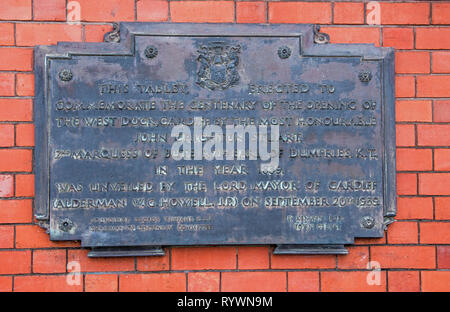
pixel 218 66
pixel 218 73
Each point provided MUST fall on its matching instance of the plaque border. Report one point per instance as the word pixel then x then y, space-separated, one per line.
pixel 123 44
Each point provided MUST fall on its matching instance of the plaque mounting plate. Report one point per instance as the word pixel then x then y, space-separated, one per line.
pixel 104 113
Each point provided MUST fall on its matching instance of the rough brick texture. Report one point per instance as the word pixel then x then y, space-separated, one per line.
pixel 414 255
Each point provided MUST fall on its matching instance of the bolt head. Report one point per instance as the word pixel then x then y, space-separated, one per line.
pixel 151 52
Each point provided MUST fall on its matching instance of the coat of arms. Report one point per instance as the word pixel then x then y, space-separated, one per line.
pixel 218 66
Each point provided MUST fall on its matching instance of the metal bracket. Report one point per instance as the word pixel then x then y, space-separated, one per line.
pixel 114 35
pixel 45 224
pixel 126 251
pixel 387 220
pixel 319 37
pixel 310 250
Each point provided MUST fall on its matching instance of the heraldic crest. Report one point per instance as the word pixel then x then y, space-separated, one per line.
pixel 218 66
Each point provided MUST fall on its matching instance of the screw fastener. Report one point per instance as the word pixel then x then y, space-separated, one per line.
pixel 65 75
pixel 365 76
pixel 66 225
pixel 368 222
pixel 151 52
pixel 284 52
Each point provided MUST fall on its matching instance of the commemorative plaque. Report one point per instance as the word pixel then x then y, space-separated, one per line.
pixel 182 134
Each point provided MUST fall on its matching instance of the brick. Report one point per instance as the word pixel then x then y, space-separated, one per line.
pixel 348 13
pixel 405 86
pixel 49 10
pixel 6 236
pixel 303 261
pixel 16 109
pixel 6 34
pixel 152 11
pixel 353 34
pixel 96 33
pixel 403 233
pixel 253 258
pixel 101 283
pixel 405 13
pixel 204 282
pixel 24 185
pixel 153 263
pixel 370 241
pixel 107 11
pixel 100 264
pixel 16 10
pixel 357 258
pixel 413 110
pixel 25 135
pixel 300 12
pixel 157 282
pixel 20 59
pixel 7 84
pixel 45 283
pixel 435 232
pixel 433 86
pixel 202 11
pixel 433 135
pixel 254 281
pixel 404 257
pixel 404 281
pixel 412 62
pixel 45 34
pixel 5 283
pixel 251 12
pixel 15 211
pixel 15 160
pixel 442 208
pixel 49 261
pixel 406 184
pixel 441 110
pixel 203 258
pixel 15 261
pixel 6 135
pixel 352 281
pixel 435 281
pixel 33 236
pixel 441 62
pixel 433 38
pixel 405 135
pixel 434 184
pixel 414 208
pixel 6 185
pixel 25 84
pixel 442 159
pixel 409 159
pixel 440 13
pixel 303 281
pixel 399 38
pixel 443 257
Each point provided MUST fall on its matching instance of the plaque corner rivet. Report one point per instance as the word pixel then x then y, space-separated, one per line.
pixel 66 225
pixel 365 76
pixel 65 75
pixel 284 52
pixel 368 222
pixel 151 52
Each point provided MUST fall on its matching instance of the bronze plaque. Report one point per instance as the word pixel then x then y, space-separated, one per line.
pixel 183 134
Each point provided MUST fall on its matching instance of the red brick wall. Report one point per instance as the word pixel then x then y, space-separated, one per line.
pixel 415 253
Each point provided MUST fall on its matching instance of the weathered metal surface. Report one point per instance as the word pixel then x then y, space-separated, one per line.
pixel 104 114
